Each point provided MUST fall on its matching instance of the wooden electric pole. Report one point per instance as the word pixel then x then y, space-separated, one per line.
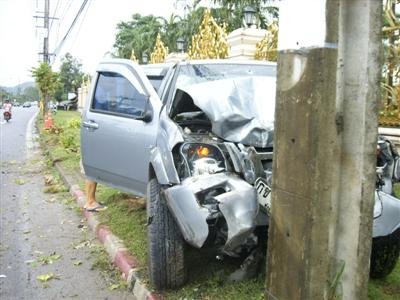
pixel 329 67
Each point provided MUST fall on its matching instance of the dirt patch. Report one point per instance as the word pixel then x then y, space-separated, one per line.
pixel 136 203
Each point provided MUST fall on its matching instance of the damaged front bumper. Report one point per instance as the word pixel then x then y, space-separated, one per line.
pixel 231 196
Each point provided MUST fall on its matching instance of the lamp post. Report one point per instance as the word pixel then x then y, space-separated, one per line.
pixel 180 44
pixel 144 58
pixel 249 16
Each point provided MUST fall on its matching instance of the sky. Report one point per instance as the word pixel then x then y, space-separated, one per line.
pixel 92 36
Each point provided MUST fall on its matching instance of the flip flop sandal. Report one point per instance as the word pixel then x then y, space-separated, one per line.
pixel 97 208
pixel 100 203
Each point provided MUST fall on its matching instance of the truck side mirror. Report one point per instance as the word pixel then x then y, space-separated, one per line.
pixel 396 172
pixel 147 115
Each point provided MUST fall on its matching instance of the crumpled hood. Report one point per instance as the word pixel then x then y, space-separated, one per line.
pixel 241 110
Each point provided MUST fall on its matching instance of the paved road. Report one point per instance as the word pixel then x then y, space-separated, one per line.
pixel 13 133
pixel 35 225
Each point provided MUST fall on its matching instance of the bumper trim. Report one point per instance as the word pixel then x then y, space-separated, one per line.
pixel 238 205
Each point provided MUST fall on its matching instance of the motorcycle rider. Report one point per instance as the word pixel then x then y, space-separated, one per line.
pixel 7 107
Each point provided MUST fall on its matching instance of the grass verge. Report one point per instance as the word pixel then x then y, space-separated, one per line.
pixel 126 217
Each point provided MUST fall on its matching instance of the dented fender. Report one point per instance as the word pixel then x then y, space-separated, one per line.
pixel 157 163
pixel 240 209
pixel 161 157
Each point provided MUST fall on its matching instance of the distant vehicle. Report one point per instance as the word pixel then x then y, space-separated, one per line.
pixel 7 116
pixel 67 105
pixel 16 104
pixel 52 107
pixel 26 104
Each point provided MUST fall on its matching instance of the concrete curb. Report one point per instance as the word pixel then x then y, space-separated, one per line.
pixel 118 253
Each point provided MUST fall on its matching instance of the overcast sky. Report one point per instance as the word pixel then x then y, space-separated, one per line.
pixel 92 36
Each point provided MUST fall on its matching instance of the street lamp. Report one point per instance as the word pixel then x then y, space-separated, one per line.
pixel 249 16
pixel 180 44
pixel 144 58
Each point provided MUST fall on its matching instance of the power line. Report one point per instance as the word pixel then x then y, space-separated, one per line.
pixel 64 12
pixel 55 12
pixel 70 28
pixel 66 9
pixel 80 24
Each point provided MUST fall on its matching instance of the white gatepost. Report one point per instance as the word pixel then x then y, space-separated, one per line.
pixel 243 42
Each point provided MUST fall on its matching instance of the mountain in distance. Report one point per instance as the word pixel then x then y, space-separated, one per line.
pixel 19 87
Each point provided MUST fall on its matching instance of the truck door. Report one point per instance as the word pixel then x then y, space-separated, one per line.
pixel 119 126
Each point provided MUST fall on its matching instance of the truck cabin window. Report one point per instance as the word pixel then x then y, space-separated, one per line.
pixel 115 94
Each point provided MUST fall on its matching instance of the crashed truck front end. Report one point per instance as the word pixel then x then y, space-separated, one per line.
pixel 220 206
pixel 223 157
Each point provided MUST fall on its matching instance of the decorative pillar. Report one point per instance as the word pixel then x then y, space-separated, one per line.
pixel 243 42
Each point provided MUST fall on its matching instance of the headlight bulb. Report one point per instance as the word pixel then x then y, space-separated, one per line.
pixel 202 158
pixel 203 151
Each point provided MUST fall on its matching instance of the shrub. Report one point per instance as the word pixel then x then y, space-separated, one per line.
pixel 74 123
pixel 69 142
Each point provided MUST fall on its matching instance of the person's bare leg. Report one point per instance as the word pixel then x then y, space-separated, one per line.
pixel 90 186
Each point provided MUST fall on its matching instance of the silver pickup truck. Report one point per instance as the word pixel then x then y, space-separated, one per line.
pixel 198 144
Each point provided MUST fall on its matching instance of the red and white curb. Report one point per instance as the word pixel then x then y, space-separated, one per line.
pixel 119 254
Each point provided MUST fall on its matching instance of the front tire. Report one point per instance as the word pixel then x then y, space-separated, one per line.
pixel 384 255
pixel 165 242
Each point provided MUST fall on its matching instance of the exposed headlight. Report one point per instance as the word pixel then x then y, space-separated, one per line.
pixel 202 158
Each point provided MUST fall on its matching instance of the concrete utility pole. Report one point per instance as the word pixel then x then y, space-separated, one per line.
pixel 46 35
pixel 329 68
pixel 46 17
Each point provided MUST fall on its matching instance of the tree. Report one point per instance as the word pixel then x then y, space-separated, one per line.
pixel 139 35
pixel 47 82
pixel 159 53
pixel 210 41
pixel 4 95
pixel 31 93
pixel 267 48
pixel 184 28
pixel 232 12
pixel 170 31
pixel 391 44
pixel 71 77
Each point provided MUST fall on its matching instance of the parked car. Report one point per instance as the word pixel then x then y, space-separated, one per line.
pixel 68 105
pixel 26 104
pixel 200 150
pixel 52 107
